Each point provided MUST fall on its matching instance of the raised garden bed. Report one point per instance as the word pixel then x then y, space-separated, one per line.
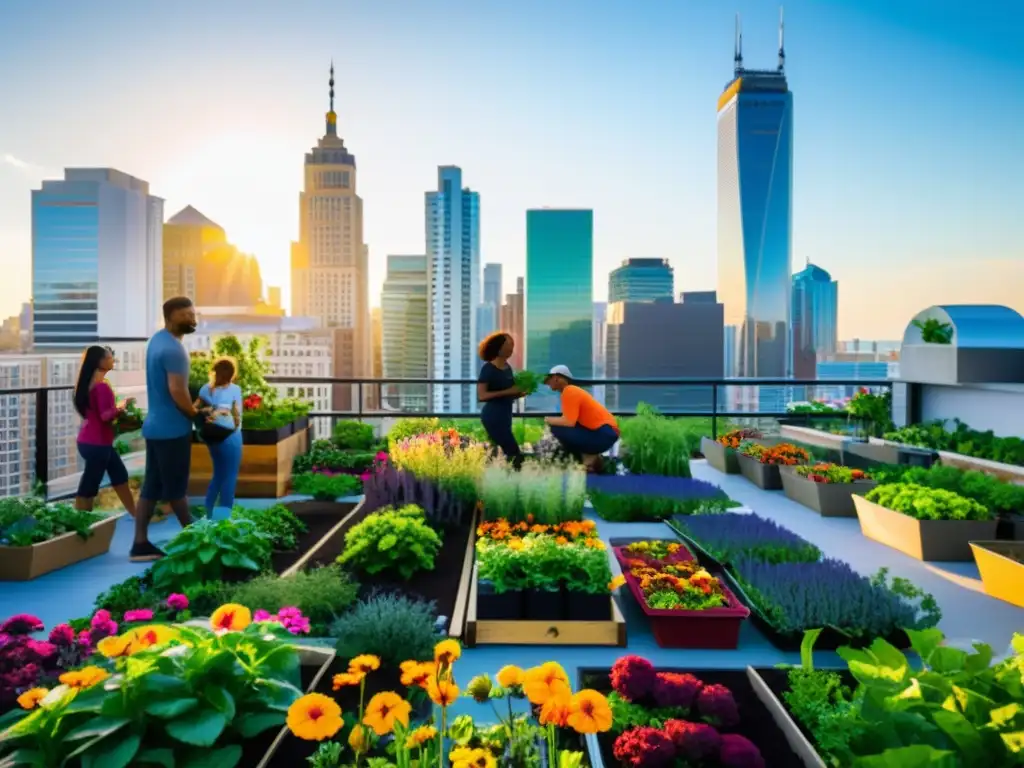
pixel 928 540
pixel 326 522
pixel 719 456
pixel 1001 565
pixel 765 476
pixel 266 469
pixel 827 499
pixel 759 716
pixel 31 562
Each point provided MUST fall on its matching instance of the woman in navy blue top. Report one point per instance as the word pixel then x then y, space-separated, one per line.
pixel 496 389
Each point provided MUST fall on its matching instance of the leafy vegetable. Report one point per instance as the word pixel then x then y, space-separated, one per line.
pixel 924 503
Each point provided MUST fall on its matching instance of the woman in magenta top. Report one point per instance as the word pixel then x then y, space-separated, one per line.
pixel 95 403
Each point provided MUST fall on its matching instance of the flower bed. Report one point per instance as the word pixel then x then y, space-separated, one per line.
pixel 687 606
pixel 674 717
pixel 631 498
pixel 925 523
pixel 453 464
pixel 760 464
pixel 828 489
pixel 721 453
pixel 326 458
pixel 719 540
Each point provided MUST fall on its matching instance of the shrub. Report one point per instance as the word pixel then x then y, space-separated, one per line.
pixel 277 521
pixel 924 503
pixel 321 594
pixel 353 435
pixel 655 445
pixel 203 551
pixel 326 487
pixel 395 540
pixel 396 628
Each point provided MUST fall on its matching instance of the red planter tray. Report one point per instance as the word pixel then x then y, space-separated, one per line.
pixel 621 555
pixel 714 628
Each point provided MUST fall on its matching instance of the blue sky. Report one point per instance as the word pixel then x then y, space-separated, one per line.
pixel 908 172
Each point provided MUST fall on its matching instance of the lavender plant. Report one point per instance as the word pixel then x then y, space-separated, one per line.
pixel 729 536
pixel 391 487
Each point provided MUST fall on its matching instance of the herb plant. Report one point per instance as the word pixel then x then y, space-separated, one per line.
pixel 528 381
pixel 655 445
pixel 395 627
pixel 324 487
pixel 31 520
pixel 731 535
pixel 988 490
pixel 321 594
pixel 392 487
pixel 924 503
pixel 353 435
pixel 206 549
pixel 961 439
pixel 627 508
pixel 392 540
pixel 277 521
pixel 547 494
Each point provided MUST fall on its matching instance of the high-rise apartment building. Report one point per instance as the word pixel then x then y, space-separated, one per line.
pixel 96 259
pixel 453 257
pixel 641 280
pixel 200 263
pixel 600 342
pixel 511 319
pixel 755 180
pixel 329 261
pixel 815 319
pixel 405 339
pixel 559 315
pixel 490 308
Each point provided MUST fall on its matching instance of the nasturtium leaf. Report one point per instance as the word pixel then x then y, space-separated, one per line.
pixel 959 730
pixel 221 700
pixel 163 757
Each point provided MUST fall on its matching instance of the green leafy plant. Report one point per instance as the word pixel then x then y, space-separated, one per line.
pixel 1001 497
pixel 323 455
pixel 395 627
pixel 655 445
pixel 934 331
pixel 353 435
pixel 923 503
pixel 585 569
pixel 528 381
pixel 628 508
pixel 203 551
pixel 961 439
pixel 550 494
pixel 278 522
pixel 321 594
pixel 503 567
pixel 31 520
pixel 325 487
pixel 392 540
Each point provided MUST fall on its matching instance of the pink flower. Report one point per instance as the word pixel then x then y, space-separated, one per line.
pixel 85 639
pixel 42 648
pixel 102 616
pixel 140 614
pixel 62 634
pixel 21 624
pixel 262 615
pixel 177 602
pixel 381 456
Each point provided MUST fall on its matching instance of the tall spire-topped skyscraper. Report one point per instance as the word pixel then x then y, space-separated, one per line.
pixel 329 261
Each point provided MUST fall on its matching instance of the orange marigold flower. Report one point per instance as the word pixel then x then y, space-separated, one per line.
pixel 543 682
pixel 384 710
pixel 314 717
pixel 347 678
pixel 447 652
pixel 364 663
pixel 231 618
pixel 30 699
pixel 555 710
pixel 589 712
pixel 444 693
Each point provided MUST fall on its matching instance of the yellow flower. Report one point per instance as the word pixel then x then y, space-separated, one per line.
pixel 84 678
pixel 616 582
pixel 364 663
pixel 30 699
pixel 314 717
pixel 346 678
pixel 594 543
pixel 357 739
pixel 460 756
pixel 146 637
pixel 231 617
pixel 589 712
pixel 472 758
pixel 415 674
pixel 515 544
pixel 555 711
pixel 543 682
pixel 115 646
pixel 384 710
pixel 447 652
pixel 442 692
pixel 510 676
pixel 420 736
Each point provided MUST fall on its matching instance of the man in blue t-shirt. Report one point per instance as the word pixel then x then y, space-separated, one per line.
pixel 168 425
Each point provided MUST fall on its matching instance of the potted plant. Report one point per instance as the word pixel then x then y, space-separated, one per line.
pixel 1001 566
pixel 925 523
pixel 588 583
pixel 828 489
pixel 501 579
pixel 721 453
pixel 37 537
pixel 760 463
pixel 545 566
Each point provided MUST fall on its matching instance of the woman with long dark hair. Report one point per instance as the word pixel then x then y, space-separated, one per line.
pixel 496 389
pixel 95 403
pixel 221 401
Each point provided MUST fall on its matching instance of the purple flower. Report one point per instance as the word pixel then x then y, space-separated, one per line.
pixel 262 615
pixel 672 689
pixel 731 535
pixel 177 602
pixel 633 677
pixel 694 742
pixel 140 614
pixel 21 624
pixel 716 703
pixel 739 752
pixel 679 488
pixel 62 635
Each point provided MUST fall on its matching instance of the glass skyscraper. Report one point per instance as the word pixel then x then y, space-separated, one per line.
pixel 559 293
pixel 755 181
pixel 641 280
pixel 404 331
pixel 815 317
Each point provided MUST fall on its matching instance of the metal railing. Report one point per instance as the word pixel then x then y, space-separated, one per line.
pixel 364 391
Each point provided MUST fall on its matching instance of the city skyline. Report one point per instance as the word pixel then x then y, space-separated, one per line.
pixel 872 193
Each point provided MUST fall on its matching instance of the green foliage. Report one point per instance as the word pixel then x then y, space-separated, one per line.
pixel 131 594
pixel 927 607
pixel 923 503
pixel 205 598
pixel 934 331
pixel 392 540
pixel 655 445
pixel 353 435
pixel 1001 497
pixel 551 494
pixel 251 365
pixel 30 520
pixel 963 440
pixel 393 627
pixel 321 594
pixel 528 381
pixel 203 551
pixel 873 412
pixel 323 455
pixel 324 487
pixel 626 714
pixel 277 522
pixel 412 427
pixel 629 508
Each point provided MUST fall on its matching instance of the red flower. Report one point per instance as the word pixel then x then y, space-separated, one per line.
pixel 694 742
pixel 252 402
pixel 644 748
pixel 633 677
pixel 716 703
pixel 672 689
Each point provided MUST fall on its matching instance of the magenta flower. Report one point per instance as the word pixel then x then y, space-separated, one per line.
pixel 21 624
pixel 715 703
pixel 140 614
pixel 85 638
pixel 694 742
pixel 644 748
pixel 62 635
pixel 739 752
pixel 177 602
pixel 262 615
pixel 633 677
pixel 42 648
pixel 672 689
pixel 101 617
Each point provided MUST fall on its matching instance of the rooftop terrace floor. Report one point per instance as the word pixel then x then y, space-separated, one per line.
pixel 968 614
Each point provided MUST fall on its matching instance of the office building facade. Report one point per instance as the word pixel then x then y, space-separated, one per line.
pixel 97 262
pixel 405 332
pixel 453 257
pixel 559 317
pixel 489 311
pixel 641 280
pixel 511 319
pixel 815 319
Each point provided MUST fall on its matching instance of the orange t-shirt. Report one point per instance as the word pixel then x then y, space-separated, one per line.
pixel 580 406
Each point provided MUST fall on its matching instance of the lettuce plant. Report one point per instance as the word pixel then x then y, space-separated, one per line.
pixel 392 540
pixel 924 503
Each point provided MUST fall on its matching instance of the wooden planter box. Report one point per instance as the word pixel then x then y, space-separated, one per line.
pixel 1001 565
pixel 266 470
pixel 27 563
pixel 827 499
pixel 940 540
pixel 765 476
pixel 721 458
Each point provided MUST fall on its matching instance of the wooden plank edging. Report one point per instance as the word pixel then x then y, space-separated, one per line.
pixel 457 625
pixel 299 564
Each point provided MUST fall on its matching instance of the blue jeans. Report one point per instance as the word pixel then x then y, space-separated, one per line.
pixel 227 459
pixel 580 441
pixel 99 460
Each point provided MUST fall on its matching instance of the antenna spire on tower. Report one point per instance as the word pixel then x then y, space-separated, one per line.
pixel 782 45
pixel 332 118
pixel 331 84
pixel 738 48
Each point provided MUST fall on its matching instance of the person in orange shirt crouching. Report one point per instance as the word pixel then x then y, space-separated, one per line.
pixel 585 429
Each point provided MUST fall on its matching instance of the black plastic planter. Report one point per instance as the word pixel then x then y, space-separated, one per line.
pixel 267 436
pixel 583 606
pixel 542 605
pixel 498 605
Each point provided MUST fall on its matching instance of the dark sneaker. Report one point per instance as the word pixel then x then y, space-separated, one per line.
pixel 144 553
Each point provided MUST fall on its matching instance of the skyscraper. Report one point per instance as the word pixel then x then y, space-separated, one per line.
pixel 559 313
pixel 329 261
pixel 755 180
pixel 490 308
pixel 453 258
pixel 96 259
pixel 815 317
pixel 641 280
pixel 405 331
pixel 511 319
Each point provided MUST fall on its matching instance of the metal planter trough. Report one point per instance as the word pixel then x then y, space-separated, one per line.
pixel 827 499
